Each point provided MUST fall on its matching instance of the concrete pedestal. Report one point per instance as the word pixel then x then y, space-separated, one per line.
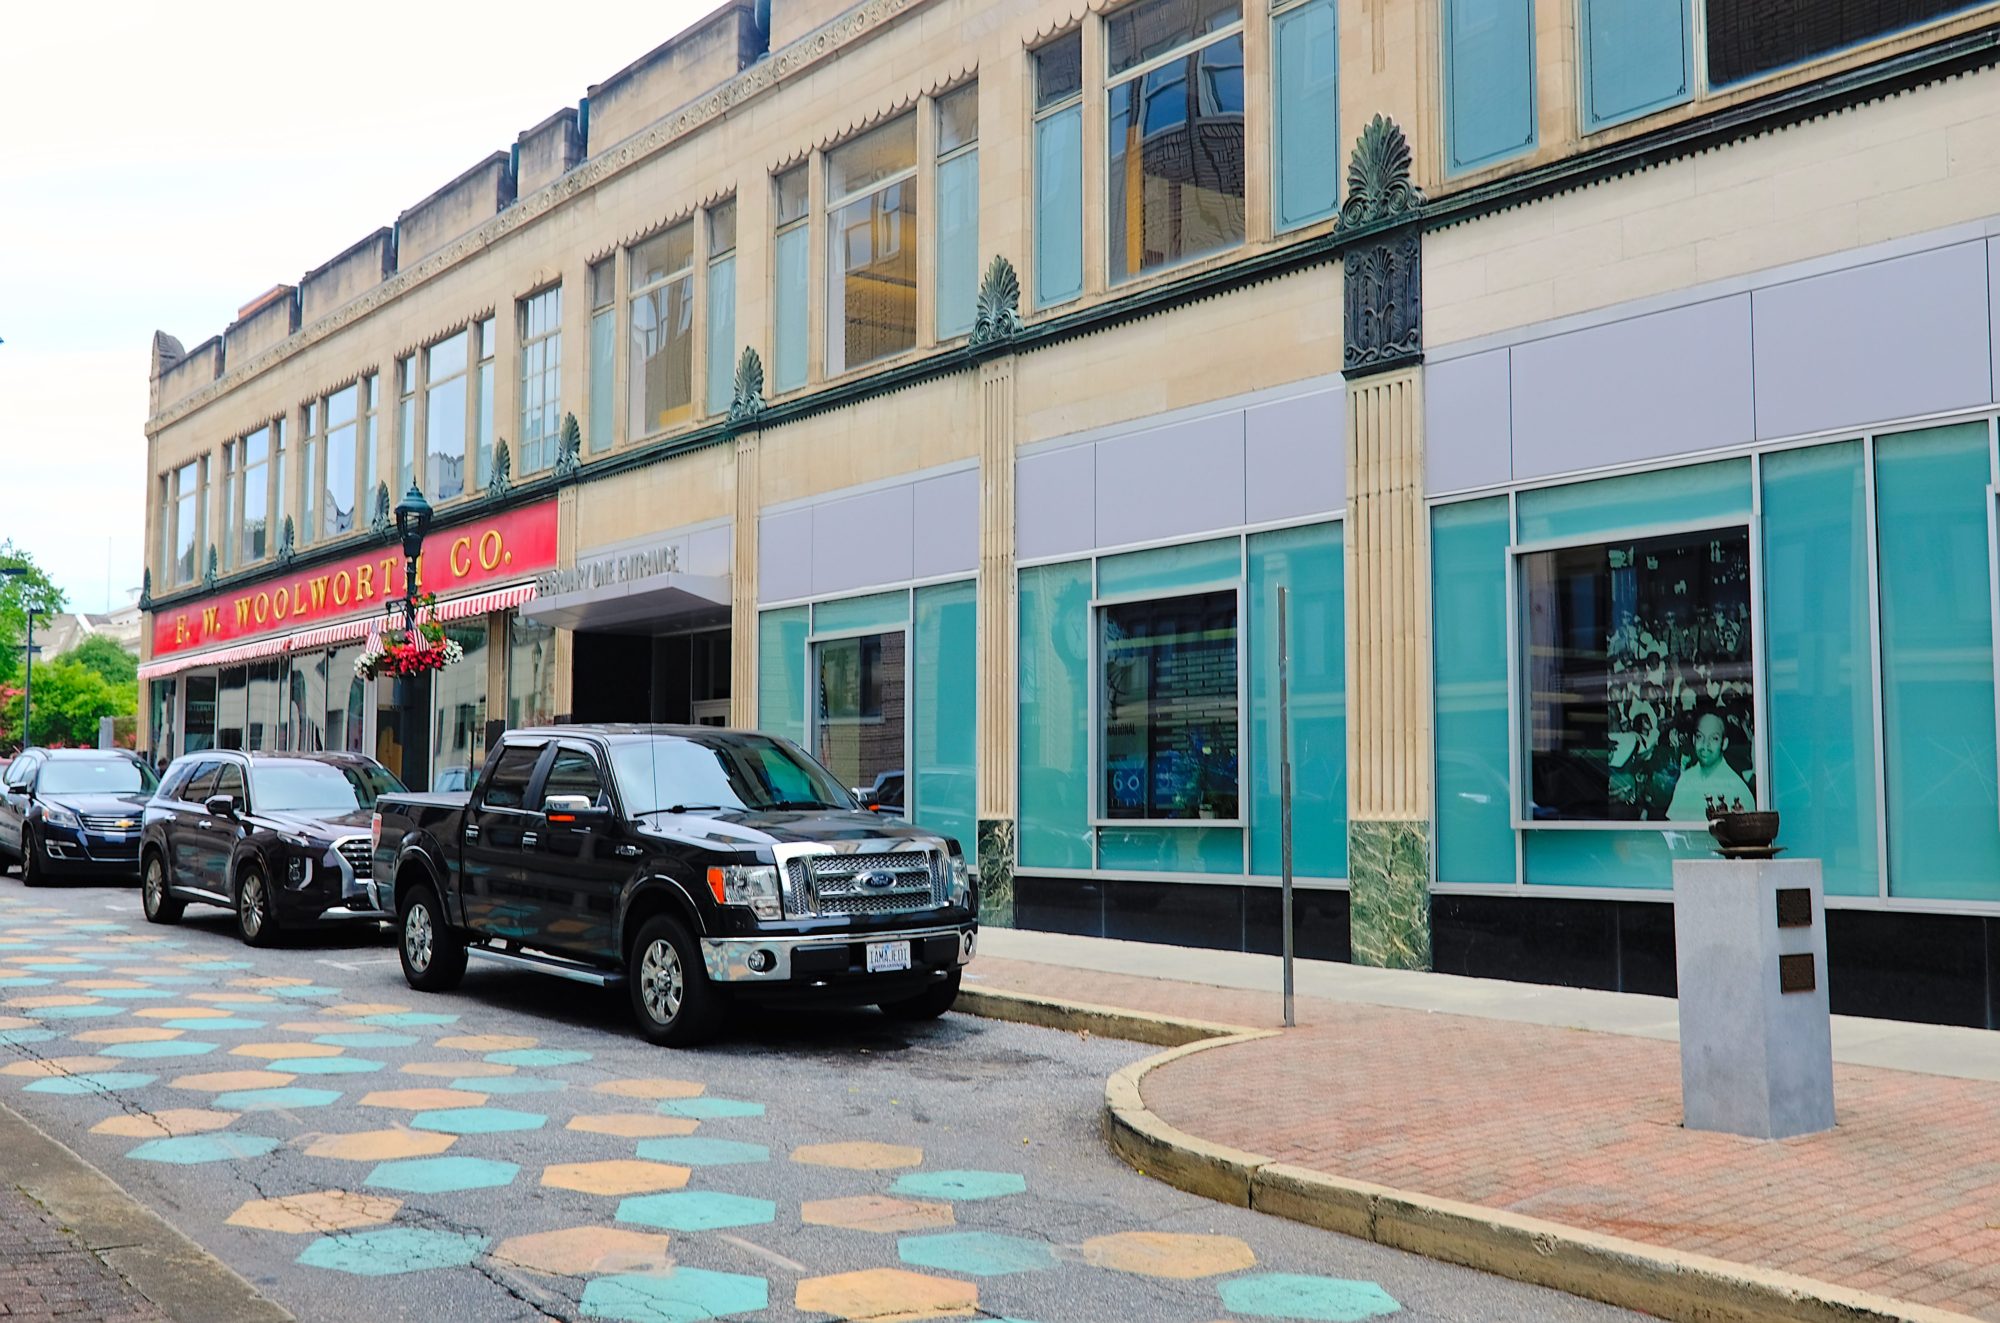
pixel 1756 1041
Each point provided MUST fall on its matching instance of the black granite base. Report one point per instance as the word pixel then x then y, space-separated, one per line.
pixel 1935 969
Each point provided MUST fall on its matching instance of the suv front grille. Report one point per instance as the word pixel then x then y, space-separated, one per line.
pixel 831 883
pixel 356 851
pixel 107 822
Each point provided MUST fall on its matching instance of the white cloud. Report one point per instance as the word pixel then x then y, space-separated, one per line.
pixel 165 164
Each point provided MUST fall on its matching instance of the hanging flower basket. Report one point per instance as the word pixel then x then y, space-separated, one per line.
pixel 410 652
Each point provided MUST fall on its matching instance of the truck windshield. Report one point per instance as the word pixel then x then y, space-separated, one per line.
pixel 321 788
pixel 753 772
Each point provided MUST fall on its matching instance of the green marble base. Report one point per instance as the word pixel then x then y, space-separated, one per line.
pixel 1389 893
pixel 996 872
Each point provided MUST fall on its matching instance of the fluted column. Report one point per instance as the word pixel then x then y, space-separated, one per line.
pixel 997 741
pixel 1388 672
pixel 743 584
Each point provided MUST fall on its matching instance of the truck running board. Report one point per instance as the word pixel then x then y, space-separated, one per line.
pixel 569 969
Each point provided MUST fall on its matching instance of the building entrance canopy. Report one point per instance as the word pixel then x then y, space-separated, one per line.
pixel 657 603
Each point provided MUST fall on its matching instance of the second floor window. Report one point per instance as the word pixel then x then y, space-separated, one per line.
pixel 871 212
pixel 342 484
pixel 603 352
pixel 541 379
pixel 187 496
pixel 660 383
pixel 1058 275
pixel 1175 155
pixel 957 210
pixel 791 262
pixel 445 369
pixel 406 427
pixel 1305 107
pixel 482 419
pixel 252 496
pixel 721 347
pixel 311 488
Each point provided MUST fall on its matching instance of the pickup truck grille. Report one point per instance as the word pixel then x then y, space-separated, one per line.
pixel 111 822
pixel 359 856
pixel 831 883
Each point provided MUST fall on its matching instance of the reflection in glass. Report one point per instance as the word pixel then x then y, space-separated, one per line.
pixel 872 239
pixel 444 419
pixel 859 710
pixel 1169 707
pixel 1175 170
pixel 531 673
pixel 458 739
pixel 661 385
pixel 1640 703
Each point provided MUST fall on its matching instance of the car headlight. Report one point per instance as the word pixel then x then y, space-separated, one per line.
pixel 58 816
pixel 295 842
pixel 754 886
pixel 959 893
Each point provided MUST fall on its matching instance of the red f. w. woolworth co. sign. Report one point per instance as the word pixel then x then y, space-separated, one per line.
pixel 507 546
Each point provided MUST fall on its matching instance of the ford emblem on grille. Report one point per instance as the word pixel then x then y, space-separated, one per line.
pixel 877 881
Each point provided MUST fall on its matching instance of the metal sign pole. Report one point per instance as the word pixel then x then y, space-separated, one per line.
pixel 1285 789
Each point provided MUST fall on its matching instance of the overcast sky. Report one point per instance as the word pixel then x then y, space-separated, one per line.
pixel 161 165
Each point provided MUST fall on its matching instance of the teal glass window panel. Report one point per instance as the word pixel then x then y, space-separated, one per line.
pixel 944 795
pixel 1054 677
pixel 1717 493
pixel 1638 56
pixel 1171 569
pixel 1636 860
pixel 1059 207
pixel 603 342
pixel 1308 108
pixel 1171 849
pixel 957 243
pixel 1819 669
pixel 851 615
pixel 1489 74
pixel 781 673
pixel 1935 565
pixel 1309 562
pixel 1475 835
pixel 721 347
pixel 791 260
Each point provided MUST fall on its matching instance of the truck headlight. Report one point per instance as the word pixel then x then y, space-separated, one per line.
pixel 959 893
pixel 752 885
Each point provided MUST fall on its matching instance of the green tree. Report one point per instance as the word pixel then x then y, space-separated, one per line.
pixel 105 657
pixel 17 594
pixel 70 697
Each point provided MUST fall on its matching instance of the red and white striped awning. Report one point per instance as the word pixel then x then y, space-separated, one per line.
pixel 341 632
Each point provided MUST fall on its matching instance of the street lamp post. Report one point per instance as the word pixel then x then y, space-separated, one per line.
pixel 413 521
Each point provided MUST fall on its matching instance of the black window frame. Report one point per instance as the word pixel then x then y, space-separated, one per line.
pixel 541 748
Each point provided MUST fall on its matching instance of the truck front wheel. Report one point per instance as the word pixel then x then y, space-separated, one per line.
pixel 433 955
pixel 926 1005
pixel 672 999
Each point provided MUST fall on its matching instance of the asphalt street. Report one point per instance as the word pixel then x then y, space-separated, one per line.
pixel 513 1150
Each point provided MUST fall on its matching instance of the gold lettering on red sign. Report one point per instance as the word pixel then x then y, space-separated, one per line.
pixel 260 607
pixel 490 549
pixel 343 588
pixel 464 545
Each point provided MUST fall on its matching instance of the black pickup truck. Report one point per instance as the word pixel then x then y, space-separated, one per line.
pixel 691 864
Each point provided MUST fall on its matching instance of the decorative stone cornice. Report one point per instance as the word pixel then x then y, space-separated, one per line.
pixel 855 25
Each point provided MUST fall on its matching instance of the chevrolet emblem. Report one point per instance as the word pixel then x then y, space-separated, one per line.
pixel 124 823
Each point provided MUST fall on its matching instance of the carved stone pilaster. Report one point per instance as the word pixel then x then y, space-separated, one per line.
pixel 997 740
pixel 743 582
pixel 1382 267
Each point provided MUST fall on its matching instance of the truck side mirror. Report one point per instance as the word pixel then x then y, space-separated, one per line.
pixel 574 810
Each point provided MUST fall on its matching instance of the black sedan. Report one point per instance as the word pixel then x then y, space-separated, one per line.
pixel 281 839
pixel 73 812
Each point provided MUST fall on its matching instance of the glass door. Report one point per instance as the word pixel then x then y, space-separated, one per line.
pixel 860 716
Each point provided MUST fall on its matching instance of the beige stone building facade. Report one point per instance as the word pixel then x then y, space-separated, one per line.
pixel 953 386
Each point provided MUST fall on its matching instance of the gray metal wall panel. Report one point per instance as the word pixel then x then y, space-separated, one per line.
pixel 1644 388
pixel 1294 457
pixel 947 524
pixel 711 551
pixel 1171 481
pixel 1888 340
pixel 863 540
pixel 1055 502
pixel 784 556
pixel 1468 435
pixel 1993 313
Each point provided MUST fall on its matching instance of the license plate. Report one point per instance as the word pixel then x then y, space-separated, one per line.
pixel 887 957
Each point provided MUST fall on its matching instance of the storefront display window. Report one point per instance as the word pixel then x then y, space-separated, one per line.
pixel 231 708
pixel 458 742
pixel 531 673
pixel 1639 678
pixel 165 702
pixel 346 695
pixel 266 707
pixel 1169 703
pixel 198 717
pixel 858 721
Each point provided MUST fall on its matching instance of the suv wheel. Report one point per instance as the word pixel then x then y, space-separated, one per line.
pixel 256 910
pixel 160 906
pixel 926 1005
pixel 33 874
pixel 433 955
pixel 672 999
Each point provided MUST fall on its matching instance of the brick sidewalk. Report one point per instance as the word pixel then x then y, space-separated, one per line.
pixel 1583 1129
pixel 46 1274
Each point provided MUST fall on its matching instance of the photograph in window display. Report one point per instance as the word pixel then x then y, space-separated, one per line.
pixel 1642 697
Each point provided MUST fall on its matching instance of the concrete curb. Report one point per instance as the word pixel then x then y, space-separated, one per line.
pixel 1691 1288
pixel 181 1278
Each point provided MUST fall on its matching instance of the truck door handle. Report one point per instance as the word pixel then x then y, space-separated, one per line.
pixel 528 840
pixel 206 824
pixel 471 831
